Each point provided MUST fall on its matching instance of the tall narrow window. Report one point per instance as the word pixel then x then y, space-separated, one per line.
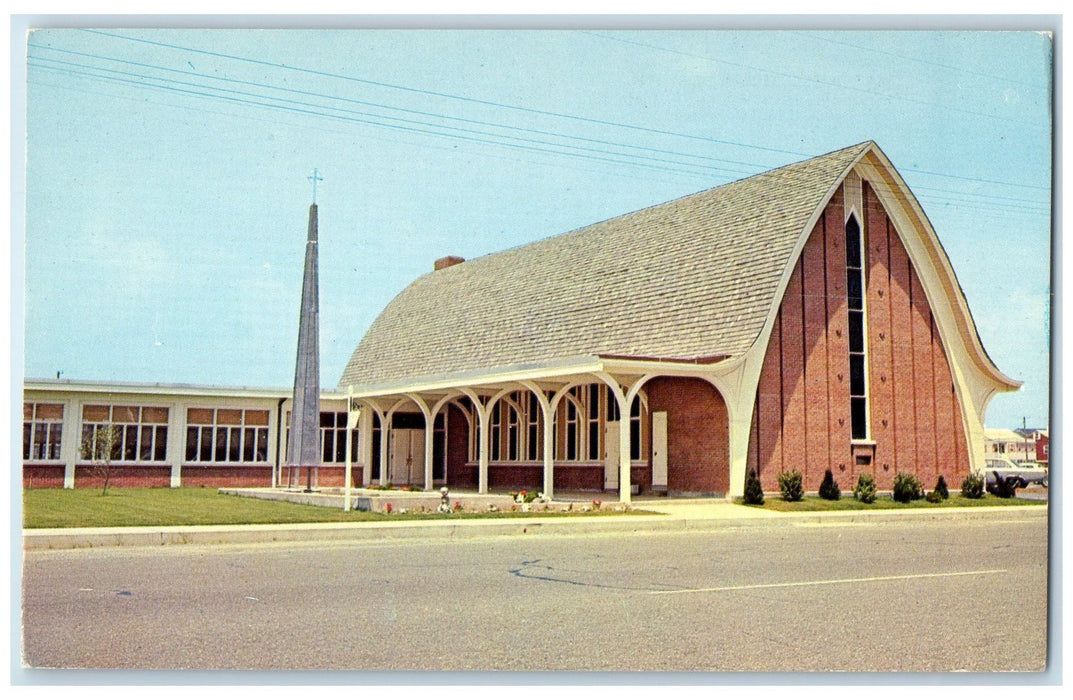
pixel 594 421
pixel 533 443
pixel 496 431
pixel 858 385
pixel 513 420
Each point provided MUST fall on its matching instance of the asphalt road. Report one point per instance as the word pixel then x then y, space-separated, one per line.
pixel 920 596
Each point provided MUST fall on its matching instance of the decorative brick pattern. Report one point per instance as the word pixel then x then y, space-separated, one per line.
pixel 801 419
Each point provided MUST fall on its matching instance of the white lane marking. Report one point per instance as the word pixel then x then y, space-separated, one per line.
pixel 828 582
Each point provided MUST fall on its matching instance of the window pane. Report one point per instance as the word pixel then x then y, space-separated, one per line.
pixel 26 430
pixel 207 435
pixel 594 440
pixel 248 444
pixel 340 442
pixel 327 439
pixel 55 438
pixel 145 450
pixel 191 444
pixel 327 420
pixel 856 374
pixel 234 446
pixel 854 290
pixel 856 331
pixel 853 243
pixel 262 445
pixel 160 444
pixel 219 442
pixel 130 443
pixel 860 425
pixel 534 441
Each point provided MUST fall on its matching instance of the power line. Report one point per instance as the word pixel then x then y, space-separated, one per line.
pixel 807 80
pixel 751 171
pixel 434 93
pixel 395 108
pixel 506 106
pixel 139 82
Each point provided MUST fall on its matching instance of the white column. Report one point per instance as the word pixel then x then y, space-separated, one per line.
pixel 738 391
pixel 482 440
pixel 625 401
pixel 71 440
pixel 365 444
pixel 549 445
pixel 175 451
pixel 352 418
pixel 385 437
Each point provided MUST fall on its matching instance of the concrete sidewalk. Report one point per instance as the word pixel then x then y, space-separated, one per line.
pixel 668 515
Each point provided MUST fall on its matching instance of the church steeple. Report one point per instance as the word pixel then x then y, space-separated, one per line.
pixel 304 447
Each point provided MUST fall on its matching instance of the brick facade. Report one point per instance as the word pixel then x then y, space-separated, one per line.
pixel 698 454
pixel 801 419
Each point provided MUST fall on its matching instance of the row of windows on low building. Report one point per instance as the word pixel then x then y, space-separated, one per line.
pixel 213 435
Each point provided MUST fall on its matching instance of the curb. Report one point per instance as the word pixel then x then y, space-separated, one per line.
pixel 85 538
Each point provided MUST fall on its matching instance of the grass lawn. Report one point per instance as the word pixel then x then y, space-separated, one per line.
pixel 45 508
pixel 885 502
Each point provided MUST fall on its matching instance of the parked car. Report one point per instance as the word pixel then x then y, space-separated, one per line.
pixel 1015 475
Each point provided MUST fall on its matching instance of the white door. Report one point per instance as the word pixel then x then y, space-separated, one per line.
pixel 659 450
pixel 407 457
pixel 611 453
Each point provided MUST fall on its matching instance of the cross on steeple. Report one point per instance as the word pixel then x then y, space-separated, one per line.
pixel 314 178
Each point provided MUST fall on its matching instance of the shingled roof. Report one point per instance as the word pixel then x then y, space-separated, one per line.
pixel 691 278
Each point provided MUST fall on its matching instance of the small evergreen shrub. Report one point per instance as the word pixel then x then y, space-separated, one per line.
pixel 866 488
pixel 940 488
pixel 1004 488
pixel 973 486
pixel 754 493
pixel 934 497
pixel 829 487
pixel 790 484
pixel 907 488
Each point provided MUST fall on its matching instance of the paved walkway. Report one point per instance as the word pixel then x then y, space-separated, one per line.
pixel 668 514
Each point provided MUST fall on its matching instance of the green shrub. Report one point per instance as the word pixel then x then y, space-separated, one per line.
pixel 973 486
pixel 934 497
pixel 907 488
pixel 940 488
pixel 754 493
pixel 866 488
pixel 1004 488
pixel 790 484
pixel 829 487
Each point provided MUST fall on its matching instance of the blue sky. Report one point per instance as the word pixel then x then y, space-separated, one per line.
pixel 166 190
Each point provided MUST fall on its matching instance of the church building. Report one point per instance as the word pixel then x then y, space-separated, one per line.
pixel 805 318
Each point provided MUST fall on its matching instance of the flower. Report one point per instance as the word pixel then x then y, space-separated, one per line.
pixel 388 508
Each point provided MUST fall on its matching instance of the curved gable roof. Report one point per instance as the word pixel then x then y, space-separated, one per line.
pixel 694 277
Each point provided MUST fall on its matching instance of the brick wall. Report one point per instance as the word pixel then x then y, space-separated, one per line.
pixel 698 455
pixel 801 419
pixel 223 476
pixel 42 476
pixel 123 477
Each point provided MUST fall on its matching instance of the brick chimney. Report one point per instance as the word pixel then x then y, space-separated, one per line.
pixel 447 262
